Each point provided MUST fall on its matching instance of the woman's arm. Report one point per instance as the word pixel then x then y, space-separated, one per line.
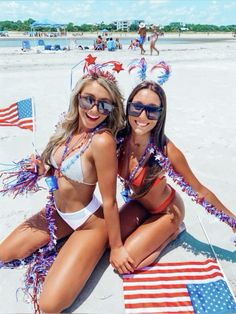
pixel 104 153
pixel 181 166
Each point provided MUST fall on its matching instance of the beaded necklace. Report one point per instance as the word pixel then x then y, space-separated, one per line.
pixel 52 180
pixel 85 139
pixel 126 191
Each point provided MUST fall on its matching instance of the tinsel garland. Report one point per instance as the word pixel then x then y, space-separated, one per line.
pixel 165 164
pixel 17 179
pixel 179 180
pixel 39 263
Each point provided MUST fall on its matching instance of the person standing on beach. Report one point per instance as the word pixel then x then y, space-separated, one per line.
pixel 153 39
pixel 142 36
pixel 153 213
pixel 74 158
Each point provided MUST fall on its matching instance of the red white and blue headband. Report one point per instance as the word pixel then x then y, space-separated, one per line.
pixel 108 69
pixel 140 67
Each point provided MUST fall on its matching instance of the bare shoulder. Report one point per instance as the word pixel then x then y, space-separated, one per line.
pixel 173 152
pixel 103 140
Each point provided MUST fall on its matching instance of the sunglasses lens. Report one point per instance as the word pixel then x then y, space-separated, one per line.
pixel 104 108
pixel 134 109
pixel 86 102
pixel 153 113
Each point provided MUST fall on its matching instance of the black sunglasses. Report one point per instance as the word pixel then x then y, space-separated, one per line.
pixel 136 108
pixel 103 107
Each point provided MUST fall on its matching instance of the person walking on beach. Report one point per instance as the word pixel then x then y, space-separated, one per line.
pixel 75 157
pixel 153 40
pixel 154 212
pixel 142 36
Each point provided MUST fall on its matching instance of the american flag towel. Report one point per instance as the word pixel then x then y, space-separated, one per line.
pixel 178 287
pixel 19 114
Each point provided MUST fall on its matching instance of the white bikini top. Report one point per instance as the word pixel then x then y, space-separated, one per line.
pixel 71 168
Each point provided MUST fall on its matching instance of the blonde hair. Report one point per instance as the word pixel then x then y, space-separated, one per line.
pixel 114 121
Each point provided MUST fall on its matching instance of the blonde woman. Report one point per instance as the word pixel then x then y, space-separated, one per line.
pixel 75 156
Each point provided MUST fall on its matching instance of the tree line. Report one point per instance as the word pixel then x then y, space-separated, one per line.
pixel 71 27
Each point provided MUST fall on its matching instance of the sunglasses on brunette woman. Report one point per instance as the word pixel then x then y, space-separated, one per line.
pixel 136 108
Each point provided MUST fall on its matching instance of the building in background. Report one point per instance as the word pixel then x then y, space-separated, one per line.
pixel 126 25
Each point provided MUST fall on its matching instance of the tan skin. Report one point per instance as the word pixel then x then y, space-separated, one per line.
pixel 84 247
pixel 147 234
pixel 142 32
pixel 153 40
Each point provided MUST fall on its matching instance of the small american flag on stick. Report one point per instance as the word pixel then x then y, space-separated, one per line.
pixel 19 114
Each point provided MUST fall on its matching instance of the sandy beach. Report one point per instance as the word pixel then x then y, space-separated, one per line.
pixel 201 119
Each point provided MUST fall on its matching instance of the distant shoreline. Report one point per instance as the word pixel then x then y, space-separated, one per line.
pixel 197 35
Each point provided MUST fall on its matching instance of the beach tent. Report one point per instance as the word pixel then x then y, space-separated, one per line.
pixel 46 23
pixel 105 31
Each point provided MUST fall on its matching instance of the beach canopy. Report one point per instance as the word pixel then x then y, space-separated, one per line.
pixel 46 23
pixel 105 30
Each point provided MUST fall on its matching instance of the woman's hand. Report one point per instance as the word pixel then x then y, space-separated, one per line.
pixel 121 261
pixel 35 165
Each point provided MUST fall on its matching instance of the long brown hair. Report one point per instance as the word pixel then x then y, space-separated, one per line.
pixel 114 121
pixel 158 137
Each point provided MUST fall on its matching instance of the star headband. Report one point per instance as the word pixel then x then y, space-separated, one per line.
pixel 141 67
pixel 91 69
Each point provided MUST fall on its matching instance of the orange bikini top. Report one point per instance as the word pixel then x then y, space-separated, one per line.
pixel 137 181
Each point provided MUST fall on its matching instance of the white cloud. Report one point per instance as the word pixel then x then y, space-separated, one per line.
pixel 95 11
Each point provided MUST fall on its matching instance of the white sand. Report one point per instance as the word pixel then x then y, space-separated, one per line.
pixel 201 121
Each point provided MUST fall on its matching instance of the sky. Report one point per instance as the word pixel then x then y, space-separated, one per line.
pixel 160 12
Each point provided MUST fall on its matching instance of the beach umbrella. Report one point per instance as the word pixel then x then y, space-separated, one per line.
pixel 46 23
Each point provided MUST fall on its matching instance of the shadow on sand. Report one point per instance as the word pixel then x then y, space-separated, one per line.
pixel 193 245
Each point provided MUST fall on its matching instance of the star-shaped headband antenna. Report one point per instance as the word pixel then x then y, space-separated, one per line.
pixel 92 69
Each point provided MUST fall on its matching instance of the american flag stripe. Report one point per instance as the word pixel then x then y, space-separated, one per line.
pixel 8 108
pixel 161 287
pixel 180 265
pixel 170 310
pixel 23 124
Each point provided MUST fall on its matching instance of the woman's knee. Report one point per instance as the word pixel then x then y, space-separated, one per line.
pixel 18 247
pixel 9 252
pixel 53 302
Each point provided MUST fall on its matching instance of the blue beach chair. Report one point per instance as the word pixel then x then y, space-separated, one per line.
pixel 41 43
pixel 25 45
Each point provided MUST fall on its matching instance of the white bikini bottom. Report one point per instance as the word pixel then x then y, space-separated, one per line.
pixel 76 219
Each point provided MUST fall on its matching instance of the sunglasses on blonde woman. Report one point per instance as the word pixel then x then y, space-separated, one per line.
pixel 136 108
pixel 103 106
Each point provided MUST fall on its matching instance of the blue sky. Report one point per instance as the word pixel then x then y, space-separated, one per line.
pixel 162 12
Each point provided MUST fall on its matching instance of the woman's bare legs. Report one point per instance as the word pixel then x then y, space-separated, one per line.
pixel 30 236
pixel 152 47
pixel 132 215
pixel 73 265
pixel 147 241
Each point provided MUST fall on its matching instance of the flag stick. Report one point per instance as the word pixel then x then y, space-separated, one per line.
pixel 34 129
